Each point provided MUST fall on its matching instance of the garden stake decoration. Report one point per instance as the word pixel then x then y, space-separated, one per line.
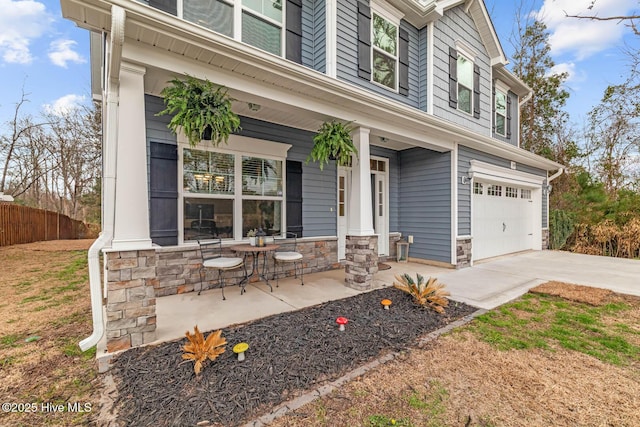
pixel 342 321
pixel 198 350
pixel 239 349
pixel 386 303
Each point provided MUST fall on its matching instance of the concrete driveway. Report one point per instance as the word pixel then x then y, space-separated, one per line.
pixel 492 283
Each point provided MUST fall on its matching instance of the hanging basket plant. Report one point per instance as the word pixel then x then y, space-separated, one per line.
pixel 333 142
pixel 201 109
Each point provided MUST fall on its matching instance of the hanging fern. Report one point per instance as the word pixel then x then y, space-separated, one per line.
pixel 333 141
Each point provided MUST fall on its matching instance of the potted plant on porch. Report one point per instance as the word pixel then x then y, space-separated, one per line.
pixel 201 109
pixel 333 142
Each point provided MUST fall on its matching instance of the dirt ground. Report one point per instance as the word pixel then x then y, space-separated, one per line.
pixel 44 312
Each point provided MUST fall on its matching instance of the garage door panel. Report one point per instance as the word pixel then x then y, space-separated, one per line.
pixel 501 224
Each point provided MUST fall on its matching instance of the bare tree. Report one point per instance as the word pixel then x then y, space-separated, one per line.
pixel 629 20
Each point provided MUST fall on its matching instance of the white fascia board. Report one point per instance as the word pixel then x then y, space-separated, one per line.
pixel 498 174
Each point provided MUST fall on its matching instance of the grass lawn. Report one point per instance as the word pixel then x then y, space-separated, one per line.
pixel 561 355
pixel 44 312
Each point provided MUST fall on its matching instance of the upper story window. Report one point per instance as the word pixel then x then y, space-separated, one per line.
pixel 260 23
pixel 465 83
pixel 501 112
pixel 464 80
pixel 385 52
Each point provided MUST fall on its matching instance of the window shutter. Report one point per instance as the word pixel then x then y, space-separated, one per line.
pixel 294 197
pixel 404 62
pixel 493 109
pixel 476 91
pixel 294 31
pixel 364 41
pixel 508 116
pixel 453 78
pixel 163 205
pixel 169 6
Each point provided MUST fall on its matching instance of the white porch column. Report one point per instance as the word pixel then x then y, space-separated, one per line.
pixel 131 228
pixel 360 215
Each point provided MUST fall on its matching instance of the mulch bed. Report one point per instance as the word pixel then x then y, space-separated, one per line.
pixel 289 354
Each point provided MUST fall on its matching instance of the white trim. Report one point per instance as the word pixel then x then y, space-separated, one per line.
pixel 331 21
pixel 454 203
pixel 430 62
pixel 497 174
pixel 387 11
pixel 503 87
pixel 466 50
pixel 385 235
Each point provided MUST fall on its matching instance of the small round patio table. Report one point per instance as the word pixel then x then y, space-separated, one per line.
pixel 255 271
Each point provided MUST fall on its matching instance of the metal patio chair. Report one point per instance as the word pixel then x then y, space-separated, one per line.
pixel 288 253
pixel 212 258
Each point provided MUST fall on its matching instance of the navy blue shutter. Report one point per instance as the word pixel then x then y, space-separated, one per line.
pixel 453 78
pixel 364 41
pixel 294 197
pixel 294 31
pixel 476 91
pixel 164 194
pixel 508 116
pixel 404 62
pixel 169 6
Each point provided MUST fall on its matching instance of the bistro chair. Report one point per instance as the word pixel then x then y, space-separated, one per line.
pixel 212 258
pixel 288 253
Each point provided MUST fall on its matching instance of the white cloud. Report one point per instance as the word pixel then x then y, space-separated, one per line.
pixel 583 37
pixel 61 52
pixel 65 105
pixel 21 22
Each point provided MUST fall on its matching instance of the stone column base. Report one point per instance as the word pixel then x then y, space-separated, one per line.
pixel 545 239
pixel 361 264
pixel 463 252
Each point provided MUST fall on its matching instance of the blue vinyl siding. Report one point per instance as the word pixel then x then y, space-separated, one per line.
pixel 423 83
pixel 347 55
pixel 319 192
pixel 314 34
pixel 425 201
pixel 393 184
pixel 453 26
pixel 318 187
pixel 465 155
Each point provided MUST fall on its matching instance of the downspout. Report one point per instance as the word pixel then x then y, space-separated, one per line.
pixel 109 176
pixel 555 175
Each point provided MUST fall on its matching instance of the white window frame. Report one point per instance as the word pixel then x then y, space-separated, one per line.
pixel 239 146
pixel 504 90
pixel 238 9
pixel 394 16
pixel 470 55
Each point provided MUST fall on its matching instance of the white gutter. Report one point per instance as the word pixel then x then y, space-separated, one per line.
pixel 555 175
pixel 109 176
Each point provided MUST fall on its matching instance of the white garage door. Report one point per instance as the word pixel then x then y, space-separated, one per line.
pixel 504 219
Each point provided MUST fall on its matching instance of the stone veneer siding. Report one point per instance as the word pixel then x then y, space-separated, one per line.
pixel 463 252
pixel 131 299
pixel 361 253
pixel 545 238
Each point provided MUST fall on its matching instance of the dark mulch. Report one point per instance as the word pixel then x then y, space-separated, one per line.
pixel 289 353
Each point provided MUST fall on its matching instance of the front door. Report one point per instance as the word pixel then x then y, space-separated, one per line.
pixel 342 209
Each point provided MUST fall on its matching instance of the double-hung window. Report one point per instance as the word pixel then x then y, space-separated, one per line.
pixel 259 23
pixel 465 83
pixel 228 193
pixel 501 112
pixel 384 52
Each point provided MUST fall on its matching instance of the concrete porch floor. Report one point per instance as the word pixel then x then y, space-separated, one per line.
pixel 177 314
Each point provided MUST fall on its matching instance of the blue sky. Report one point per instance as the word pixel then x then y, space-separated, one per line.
pixel 49 56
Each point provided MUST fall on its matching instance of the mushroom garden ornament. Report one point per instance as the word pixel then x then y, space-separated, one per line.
pixel 239 349
pixel 342 321
pixel 386 303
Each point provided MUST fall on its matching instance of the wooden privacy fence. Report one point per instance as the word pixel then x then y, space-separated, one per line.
pixel 21 224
